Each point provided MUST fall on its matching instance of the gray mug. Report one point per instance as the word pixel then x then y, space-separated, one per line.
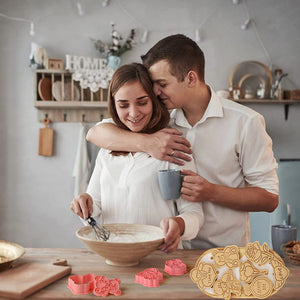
pixel 282 234
pixel 170 183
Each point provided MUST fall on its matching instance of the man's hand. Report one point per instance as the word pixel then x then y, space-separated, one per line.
pixel 82 205
pixel 168 144
pixel 173 228
pixel 196 188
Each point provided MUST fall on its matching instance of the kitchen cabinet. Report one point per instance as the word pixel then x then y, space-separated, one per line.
pixel 61 99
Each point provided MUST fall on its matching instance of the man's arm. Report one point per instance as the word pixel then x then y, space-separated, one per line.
pixel 251 199
pixel 166 144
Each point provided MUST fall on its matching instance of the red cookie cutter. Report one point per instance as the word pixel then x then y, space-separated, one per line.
pixel 150 277
pixel 104 287
pixel 100 285
pixel 79 284
pixel 175 267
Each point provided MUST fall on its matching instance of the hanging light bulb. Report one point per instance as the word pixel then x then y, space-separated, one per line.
pixel 197 35
pixel 144 37
pixel 80 10
pixel 32 32
pixel 105 3
pixel 246 24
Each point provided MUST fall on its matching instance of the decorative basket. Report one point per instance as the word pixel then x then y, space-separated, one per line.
pixel 291 252
pixel 292 94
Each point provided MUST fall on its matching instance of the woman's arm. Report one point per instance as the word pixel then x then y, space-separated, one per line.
pixel 159 145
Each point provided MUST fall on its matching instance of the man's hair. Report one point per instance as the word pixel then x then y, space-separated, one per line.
pixel 182 54
pixel 137 73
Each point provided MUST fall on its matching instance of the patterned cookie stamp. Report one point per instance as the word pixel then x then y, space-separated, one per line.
pixel 253 271
pixel 150 277
pixel 175 267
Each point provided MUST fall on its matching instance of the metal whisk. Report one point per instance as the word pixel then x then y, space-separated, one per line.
pixel 101 232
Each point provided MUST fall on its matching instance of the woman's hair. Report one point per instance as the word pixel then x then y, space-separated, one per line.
pixel 182 54
pixel 131 73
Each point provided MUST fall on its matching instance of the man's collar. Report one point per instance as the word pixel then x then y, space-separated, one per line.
pixel 214 109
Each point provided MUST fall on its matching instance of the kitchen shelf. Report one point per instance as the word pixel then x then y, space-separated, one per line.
pixel 61 99
pixel 268 101
pixel 285 102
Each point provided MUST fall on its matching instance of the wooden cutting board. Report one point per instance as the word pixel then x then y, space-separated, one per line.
pixel 27 278
pixel 46 139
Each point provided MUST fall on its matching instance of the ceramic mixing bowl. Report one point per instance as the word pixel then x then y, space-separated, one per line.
pixel 9 252
pixel 127 244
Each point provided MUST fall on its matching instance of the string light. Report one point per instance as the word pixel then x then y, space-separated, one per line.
pixel 105 3
pixel 246 24
pixel 31 31
pixel 249 21
pixel 80 10
pixel 197 35
pixel 144 37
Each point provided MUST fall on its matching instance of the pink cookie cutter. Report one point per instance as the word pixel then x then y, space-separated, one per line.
pixel 175 267
pixel 79 284
pixel 100 285
pixel 104 286
pixel 150 277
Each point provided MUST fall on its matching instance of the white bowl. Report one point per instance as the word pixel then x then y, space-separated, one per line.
pixel 128 243
pixel 9 252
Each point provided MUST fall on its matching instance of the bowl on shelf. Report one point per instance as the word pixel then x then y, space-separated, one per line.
pixel 9 252
pixel 127 244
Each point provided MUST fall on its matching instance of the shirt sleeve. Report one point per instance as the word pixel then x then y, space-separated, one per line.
pixel 108 120
pixel 192 214
pixel 256 156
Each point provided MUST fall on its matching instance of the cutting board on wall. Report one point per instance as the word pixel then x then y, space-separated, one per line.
pixel 27 278
pixel 46 139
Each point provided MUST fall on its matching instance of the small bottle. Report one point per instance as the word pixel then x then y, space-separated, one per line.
pixel 261 91
pixel 278 89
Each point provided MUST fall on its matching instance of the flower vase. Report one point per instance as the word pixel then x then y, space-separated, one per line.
pixel 113 62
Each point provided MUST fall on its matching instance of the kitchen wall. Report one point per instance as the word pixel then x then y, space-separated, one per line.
pixel 36 191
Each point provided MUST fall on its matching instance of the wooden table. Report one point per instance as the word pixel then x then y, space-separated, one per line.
pixel 84 261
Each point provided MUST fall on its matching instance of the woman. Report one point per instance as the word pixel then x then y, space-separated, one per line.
pixel 124 185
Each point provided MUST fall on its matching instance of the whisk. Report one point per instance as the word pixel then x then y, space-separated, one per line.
pixel 100 231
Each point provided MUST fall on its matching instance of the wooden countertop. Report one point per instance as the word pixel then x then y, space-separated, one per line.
pixel 84 261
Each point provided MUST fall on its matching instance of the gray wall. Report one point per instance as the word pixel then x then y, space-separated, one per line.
pixel 35 191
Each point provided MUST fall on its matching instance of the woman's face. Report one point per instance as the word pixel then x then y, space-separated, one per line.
pixel 133 105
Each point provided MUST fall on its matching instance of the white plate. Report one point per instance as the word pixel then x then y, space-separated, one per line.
pixel 57 91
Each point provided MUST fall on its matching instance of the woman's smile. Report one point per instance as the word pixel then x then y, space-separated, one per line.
pixel 133 106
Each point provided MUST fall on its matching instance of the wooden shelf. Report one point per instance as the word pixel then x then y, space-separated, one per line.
pixel 70 102
pixel 268 101
pixel 285 102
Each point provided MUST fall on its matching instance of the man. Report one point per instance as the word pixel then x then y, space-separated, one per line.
pixel 236 169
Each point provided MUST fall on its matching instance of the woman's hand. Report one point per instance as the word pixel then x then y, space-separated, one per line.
pixel 173 228
pixel 82 205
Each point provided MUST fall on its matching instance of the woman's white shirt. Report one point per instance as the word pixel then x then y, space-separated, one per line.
pixel 126 190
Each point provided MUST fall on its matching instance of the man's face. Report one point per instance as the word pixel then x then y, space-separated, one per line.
pixel 166 86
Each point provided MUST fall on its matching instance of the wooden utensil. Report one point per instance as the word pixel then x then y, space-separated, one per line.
pixel 27 278
pixel 46 139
